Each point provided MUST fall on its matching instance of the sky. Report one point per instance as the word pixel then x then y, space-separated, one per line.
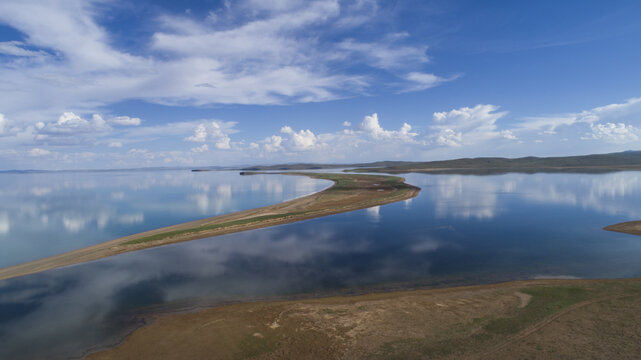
pixel 121 84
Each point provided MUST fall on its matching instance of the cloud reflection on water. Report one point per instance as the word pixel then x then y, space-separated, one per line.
pixel 49 213
pixel 477 197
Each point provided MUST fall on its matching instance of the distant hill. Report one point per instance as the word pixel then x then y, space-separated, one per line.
pixel 628 160
pixel 307 166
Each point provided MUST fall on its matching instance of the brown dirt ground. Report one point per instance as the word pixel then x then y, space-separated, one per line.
pixel 559 319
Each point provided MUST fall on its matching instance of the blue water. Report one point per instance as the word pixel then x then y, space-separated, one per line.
pixel 461 229
pixel 43 214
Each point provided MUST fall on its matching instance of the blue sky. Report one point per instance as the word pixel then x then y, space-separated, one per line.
pixel 112 84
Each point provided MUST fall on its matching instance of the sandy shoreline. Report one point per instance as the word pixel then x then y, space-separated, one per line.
pixel 349 192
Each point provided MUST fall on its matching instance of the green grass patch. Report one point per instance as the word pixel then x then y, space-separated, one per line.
pixel 334 312
pixel 211 227
pixel 545 301
pixel 251 346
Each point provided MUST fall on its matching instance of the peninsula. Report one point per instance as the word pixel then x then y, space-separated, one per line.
pixel 349 192
pixel 628 227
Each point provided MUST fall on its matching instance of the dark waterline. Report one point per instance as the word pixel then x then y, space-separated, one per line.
pixel 459 230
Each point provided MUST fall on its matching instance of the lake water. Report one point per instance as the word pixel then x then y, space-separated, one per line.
pixel 43 214
pixel 461 229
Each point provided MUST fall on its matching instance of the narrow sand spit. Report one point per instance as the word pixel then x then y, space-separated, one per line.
pixel 349 192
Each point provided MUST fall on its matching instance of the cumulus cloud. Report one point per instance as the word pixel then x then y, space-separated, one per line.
pixel 273 143
pixel 200 149
pixel 368 139
pixel 467 126
pixel 371 126
pixel 70 123
pixel 200 134
pixel 508 134
pixel 215 131
pixel 447 137
pixel 301 140
pixel 70 129
pixel 615 133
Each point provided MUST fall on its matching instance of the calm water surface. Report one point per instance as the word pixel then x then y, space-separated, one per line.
pixel 461 229
pixel 43 214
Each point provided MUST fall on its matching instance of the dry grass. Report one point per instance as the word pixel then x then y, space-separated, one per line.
pixel 562 319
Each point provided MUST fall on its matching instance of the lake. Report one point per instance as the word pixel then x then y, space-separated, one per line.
pixel 43 214
pixel 461 229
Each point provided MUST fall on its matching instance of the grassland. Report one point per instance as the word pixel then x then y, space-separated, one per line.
pixel 349 192
pixel 542 319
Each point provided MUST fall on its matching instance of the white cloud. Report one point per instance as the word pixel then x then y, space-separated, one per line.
pixel 200 149
pixel 420 81
pixel 249 55
pixel 3 124
pixel 200 134
pixel 387 53
pixel 69 124
pixel 302 140
pixel 115 144
pixel 508 134
pixel 447 137
pixel 467 126
pixel 371 126
pixel 273 143
pixel 216 131
pixel 125 121
pixel 16 48
pixel 347 123
pixel 39 152
pixel 549 124
pixel 615 133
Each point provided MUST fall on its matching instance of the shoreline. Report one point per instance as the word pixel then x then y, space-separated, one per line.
pixel 360 326
pixel 348 193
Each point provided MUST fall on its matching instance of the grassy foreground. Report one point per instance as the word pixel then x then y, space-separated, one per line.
pixel 349 192
pixel 542 319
